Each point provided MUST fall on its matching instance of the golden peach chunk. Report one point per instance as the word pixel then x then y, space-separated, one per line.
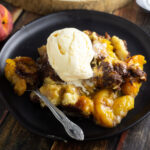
pixel 131 88
pixel 137 61
pixel 103 113
pixel 120 48
pixel 85 104
pixel 19 83
pixel 122 105
pixel 20 87
pixel 21 71
pixel 10 69
pixel 110 109
pixel 105 97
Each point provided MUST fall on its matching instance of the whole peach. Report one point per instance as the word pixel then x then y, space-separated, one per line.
pixel 6 23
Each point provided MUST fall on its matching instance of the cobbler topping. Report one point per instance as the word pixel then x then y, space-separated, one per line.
pixel 107 94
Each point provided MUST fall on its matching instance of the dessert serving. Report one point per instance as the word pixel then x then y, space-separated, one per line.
pixel 83 72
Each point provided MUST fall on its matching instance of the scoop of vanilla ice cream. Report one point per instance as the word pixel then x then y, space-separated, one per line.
pixel 70 53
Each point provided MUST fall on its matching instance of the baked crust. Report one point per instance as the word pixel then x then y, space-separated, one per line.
pixel 107 96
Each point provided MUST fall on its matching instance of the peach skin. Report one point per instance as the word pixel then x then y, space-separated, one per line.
pixel 6 23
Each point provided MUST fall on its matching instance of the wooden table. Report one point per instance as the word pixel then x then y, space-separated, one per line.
pixel 15 137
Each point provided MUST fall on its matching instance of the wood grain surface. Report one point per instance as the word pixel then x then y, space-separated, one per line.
pixel 48 6
pixel 13 136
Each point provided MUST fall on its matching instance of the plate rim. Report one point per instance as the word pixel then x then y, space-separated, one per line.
pixel 54 137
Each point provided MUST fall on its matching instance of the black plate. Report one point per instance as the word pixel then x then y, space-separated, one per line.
pixel 25 43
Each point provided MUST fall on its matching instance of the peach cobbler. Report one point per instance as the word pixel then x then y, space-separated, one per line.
pixel 91 74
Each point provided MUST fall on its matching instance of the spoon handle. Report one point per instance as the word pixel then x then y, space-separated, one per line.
pixel 73 130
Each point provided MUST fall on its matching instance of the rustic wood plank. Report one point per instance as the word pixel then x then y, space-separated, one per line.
pixel 47 6
pixel 16 13
pixel 3 115
pixel 146 24
pixel 138 137
pixel 108 144
pixel 133 13
pixel 122 139
pixel 25 19
pixel 15 137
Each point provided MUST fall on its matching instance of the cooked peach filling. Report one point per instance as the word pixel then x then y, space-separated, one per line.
pixel 107 96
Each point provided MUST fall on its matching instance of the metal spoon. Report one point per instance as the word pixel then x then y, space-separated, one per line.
pixel 73 130
pixel 145 4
